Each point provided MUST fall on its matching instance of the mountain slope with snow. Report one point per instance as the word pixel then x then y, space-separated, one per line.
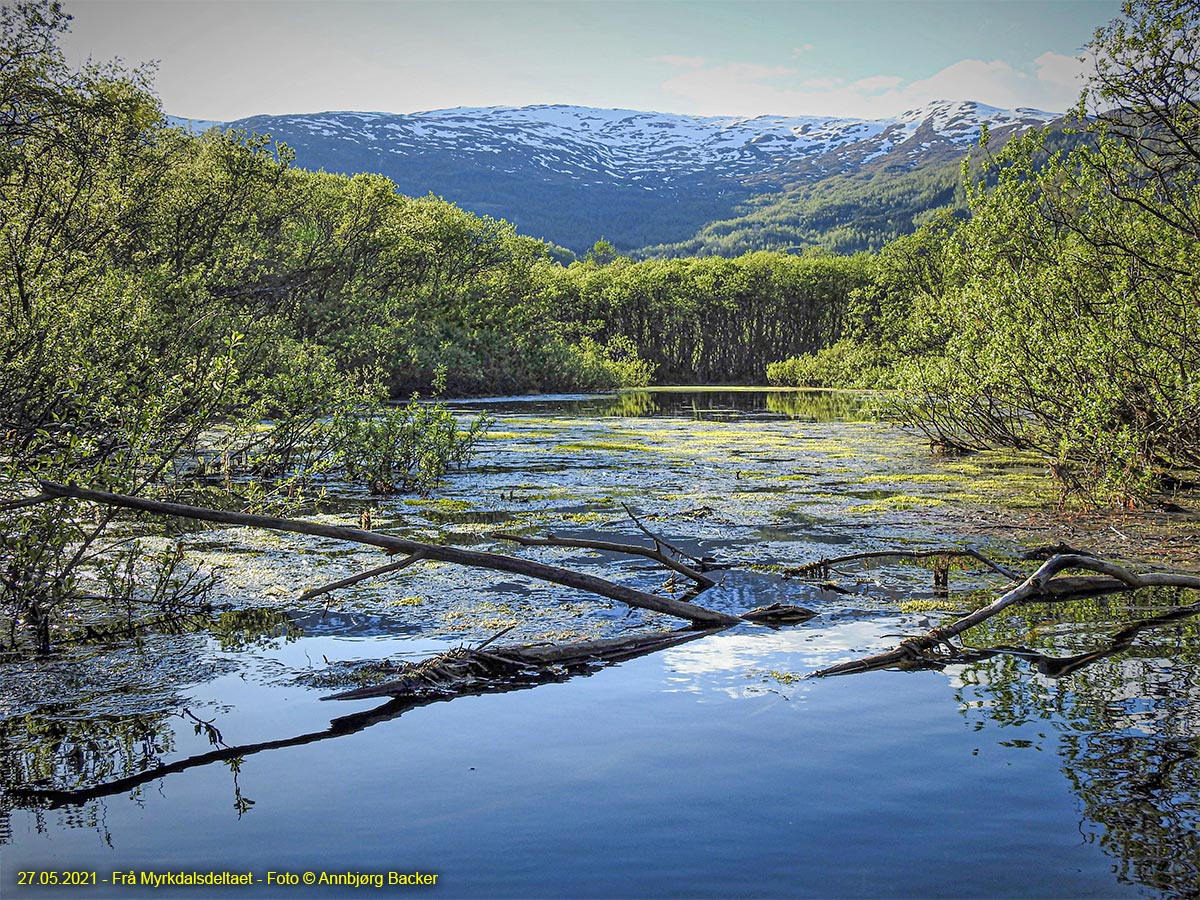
pixel 574 174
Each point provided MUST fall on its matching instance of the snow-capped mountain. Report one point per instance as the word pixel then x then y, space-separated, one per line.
pixel 573 174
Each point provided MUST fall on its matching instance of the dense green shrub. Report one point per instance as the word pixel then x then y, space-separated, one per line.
pixel 404 448
pixel 1067 319
pixel 846 364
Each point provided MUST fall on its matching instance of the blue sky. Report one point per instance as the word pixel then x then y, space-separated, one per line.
pixel 224 59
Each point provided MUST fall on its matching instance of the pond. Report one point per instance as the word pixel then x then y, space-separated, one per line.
pixel 710 769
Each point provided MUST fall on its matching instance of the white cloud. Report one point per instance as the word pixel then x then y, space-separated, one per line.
pixel 877 83
pixel 680 62
pixel 1051 83
pixel 801 50
pixel 1067 71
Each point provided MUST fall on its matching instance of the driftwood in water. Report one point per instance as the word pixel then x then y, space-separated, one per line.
pixel 467 670
pixel 364 576
pixel 697 615
pixel 822 567
pixel 1060 666
pixel 1042 585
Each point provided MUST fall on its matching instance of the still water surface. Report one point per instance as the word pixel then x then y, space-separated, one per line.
pixel 710 769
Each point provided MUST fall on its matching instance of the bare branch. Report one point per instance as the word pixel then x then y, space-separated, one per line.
pixel 1040 586
pixel 363 576
pixel 660 542
pixel 29 501
pixel 611 547
pixel 822 566
pixel 1059 666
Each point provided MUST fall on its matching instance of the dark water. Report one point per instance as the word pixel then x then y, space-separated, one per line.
pixel 710 769
pixel 688 402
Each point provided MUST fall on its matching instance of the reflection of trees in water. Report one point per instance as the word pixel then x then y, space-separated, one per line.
pixel 1141 792
pixel 631 404
pixel 39 751
pixel 813 406
pixel 56 747
pixel 818 406
pixel 240 629
pixel 805 404
pixel 1129 727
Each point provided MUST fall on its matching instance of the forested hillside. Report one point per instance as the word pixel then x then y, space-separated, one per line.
pixel 841 214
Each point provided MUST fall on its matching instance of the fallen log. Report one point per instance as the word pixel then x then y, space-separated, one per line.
pixel 822 567
pixel 466 670
pixel 690 612
pixel 1042 585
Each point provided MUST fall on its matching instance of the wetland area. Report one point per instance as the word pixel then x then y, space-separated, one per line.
pixel 712 768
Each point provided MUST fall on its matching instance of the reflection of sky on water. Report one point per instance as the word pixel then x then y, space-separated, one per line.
pixel 738 662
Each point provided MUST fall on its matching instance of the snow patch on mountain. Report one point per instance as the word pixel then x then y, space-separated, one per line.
pixel 577 141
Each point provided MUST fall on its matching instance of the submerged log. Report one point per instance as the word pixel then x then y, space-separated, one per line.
pixel 776 614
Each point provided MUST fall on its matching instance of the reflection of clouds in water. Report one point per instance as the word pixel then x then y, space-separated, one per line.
pixel 733 655
pixel 744 657
pixel 726 652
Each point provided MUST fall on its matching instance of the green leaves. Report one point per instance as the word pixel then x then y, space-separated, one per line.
pixel 1067 310
pixel 404 448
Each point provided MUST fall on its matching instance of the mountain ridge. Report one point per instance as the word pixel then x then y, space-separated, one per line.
pixel 573 174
